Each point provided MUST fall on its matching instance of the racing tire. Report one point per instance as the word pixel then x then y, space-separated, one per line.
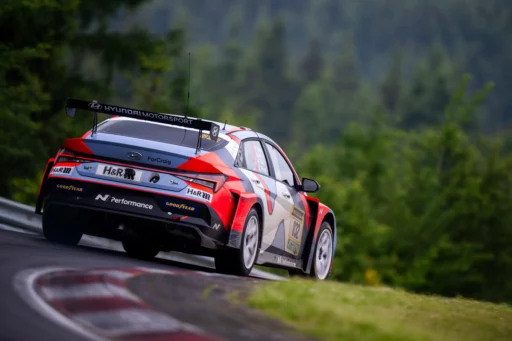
pixel 140 249
pixel 322 256
pixel 240 262
pixel 62 226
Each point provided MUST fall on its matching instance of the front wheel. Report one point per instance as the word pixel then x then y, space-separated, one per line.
pixel 323 252
pixel 240 262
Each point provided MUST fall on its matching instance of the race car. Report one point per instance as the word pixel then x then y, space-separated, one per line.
pixel 161 182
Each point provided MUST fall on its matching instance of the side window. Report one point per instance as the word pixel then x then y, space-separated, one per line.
pixel 254 157
pixel 283 171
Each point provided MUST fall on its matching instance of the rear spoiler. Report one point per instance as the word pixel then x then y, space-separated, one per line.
pixel 182 121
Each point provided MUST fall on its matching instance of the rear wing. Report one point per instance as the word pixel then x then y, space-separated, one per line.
pixel 182 121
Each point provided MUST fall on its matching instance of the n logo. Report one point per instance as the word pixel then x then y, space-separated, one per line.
pixel 102 197
pixel 216 226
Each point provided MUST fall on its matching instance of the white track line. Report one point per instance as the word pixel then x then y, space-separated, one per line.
pixel 115 274
pixel 77 291
pixel 24 285
pixel 128 322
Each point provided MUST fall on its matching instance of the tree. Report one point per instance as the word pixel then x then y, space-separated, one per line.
pixel 391 86
pixel 265 83
pixel 312 64
pixel 29 58
pixel 42 65
pixel 429 92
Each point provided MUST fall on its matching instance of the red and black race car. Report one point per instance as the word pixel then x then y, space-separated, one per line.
pixel 159 182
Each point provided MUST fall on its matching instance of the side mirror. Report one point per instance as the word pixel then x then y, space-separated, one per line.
pixel 309 185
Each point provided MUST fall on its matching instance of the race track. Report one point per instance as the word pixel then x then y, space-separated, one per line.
pixel 54 292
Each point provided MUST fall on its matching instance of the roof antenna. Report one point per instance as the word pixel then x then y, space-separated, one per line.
pixel 225 125
pixel 188 87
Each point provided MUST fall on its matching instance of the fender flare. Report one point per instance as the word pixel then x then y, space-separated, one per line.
pixel 319 213
pixel 42 188
pixel 244 203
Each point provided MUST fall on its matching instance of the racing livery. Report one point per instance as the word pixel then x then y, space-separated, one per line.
pixel 159 182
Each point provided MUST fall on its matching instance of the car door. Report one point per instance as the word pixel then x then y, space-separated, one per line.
pixel 292 201
pixel 255 166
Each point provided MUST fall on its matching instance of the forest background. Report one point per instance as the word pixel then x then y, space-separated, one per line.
pixel 399 108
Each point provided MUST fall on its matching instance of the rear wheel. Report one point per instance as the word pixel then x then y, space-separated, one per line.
pixel 240 262
pixel 140 249
pixel 62 225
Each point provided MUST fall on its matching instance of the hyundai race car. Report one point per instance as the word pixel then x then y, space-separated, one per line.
pixel 160 182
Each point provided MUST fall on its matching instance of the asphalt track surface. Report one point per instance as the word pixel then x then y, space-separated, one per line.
pixel 194 295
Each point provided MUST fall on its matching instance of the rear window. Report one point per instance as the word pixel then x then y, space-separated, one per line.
pixel 160 133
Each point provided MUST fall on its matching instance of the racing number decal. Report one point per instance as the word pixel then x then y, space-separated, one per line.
pixel 295 231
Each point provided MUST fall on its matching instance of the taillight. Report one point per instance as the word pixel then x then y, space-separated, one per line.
pixel 213 181
pixel 66 155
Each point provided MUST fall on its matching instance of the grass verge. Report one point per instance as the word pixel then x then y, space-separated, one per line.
pixel 336 311
pixel 275 271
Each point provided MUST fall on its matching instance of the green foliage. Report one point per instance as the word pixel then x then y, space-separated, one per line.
pixel 28 58
pixel 420 207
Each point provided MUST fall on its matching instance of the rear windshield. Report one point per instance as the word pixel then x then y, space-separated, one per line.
pixel 160 133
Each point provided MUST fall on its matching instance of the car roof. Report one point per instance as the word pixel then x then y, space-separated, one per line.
pixel 226 129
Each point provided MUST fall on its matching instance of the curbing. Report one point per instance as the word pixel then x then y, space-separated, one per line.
pixel 23 216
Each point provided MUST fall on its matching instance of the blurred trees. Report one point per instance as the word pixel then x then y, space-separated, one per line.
pixel 56 50
pixel 371 100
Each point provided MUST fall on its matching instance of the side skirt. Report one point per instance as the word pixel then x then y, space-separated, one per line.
pixel 267 258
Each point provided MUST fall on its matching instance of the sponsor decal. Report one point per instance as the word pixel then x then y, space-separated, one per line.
pixel 145 114
pixel 119 172
pixel 159 160
pixel 209 138
pixel 61 170
pixel 134 155
pixel 183 207
pixel 70 188
pixel 122 201
pixel 129 174
pixel 94 105
pixel 295 230
pixel 215 131
pixel 197 193
pixel 173 182
pixel 102 197
pixel 286 261
pixel 292 247
pixel 216 226
pixel 298 214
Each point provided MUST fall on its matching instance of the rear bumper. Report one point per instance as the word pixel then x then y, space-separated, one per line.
pixel 146 213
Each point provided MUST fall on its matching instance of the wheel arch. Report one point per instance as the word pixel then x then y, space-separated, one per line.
pixel 259 209
pixel 245 202
pixel 331 219
pixel 321 213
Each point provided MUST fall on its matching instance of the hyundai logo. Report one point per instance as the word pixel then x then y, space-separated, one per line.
pixel 134 155
pixel 94 105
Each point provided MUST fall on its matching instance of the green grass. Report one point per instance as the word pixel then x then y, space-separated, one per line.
pixel 275 271
pixel 335 311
